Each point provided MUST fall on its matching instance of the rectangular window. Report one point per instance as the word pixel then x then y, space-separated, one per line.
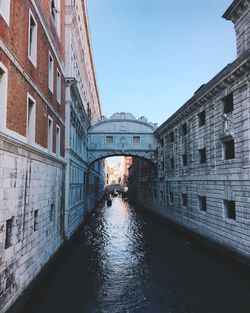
pixel 51 73
pixel 53 10
pixel 162 165
pixel 171 135
pixel 3 97
pixel 172 163
pixel 184 160
pixel 32 43
pixel 58 87
pixel 161 195
pixel 55 14
pixel 31 120
pixel 229 209
pixel 171 197
pixel 202 118
pixel 161 141
pixel 52 212
pixel 184 199
pixel 203 156
pixel 228 103
pixel 155 193
pixel 35 220
pixel 8 233
pixel 136 139
pixel 203 203
pixel 229 150
pixel 58 141
pixel 109 139
pixel 184 129
pixel 5 10
pixel 50 134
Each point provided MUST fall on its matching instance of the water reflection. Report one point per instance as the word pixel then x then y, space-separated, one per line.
pixel 121 251
pixel 126 261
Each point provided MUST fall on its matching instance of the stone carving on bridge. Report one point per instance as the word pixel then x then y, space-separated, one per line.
pixel 123 141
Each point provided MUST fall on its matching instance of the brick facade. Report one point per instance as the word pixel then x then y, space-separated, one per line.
pixel 25 78
pixel 31 175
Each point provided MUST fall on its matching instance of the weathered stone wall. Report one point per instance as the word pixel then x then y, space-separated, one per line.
pixel 198 184
pixel 96 184
pixel 218 179
pixel 31 197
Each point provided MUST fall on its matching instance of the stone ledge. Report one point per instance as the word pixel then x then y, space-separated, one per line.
pixel 17 147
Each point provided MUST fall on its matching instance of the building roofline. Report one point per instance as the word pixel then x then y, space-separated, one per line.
pixel 90 51
pixel 236 9
pixel 226 76
pixel 231 9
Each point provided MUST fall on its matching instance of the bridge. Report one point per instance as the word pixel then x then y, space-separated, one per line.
pixel 122 134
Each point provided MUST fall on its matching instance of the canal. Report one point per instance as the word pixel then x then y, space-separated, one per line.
pixel 127 261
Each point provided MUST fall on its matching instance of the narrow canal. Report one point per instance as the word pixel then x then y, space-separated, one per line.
pixel 128 261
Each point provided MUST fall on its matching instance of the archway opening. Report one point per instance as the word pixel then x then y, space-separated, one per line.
pixel 123 173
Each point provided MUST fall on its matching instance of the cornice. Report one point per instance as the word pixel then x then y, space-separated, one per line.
pixel 27 150
pixel 110 121
pixel 236 10
pixel 84 6
pixel 72 82
pixel 229 75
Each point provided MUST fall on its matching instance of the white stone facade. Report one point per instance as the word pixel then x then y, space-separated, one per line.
pixel 31 207
pixel 82 106
pixel 122 134
pixel 203 175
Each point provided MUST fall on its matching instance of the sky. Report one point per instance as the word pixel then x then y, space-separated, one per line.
pixel 152 55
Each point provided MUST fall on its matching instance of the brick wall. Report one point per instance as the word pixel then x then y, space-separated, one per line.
pixel 35 82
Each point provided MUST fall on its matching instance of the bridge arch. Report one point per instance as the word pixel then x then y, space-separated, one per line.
pixel 120 135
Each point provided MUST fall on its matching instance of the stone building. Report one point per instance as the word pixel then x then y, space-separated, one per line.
pixel 127 162
pixel 48 94
pixel 203 178
pixel 32 126
pixel 84 184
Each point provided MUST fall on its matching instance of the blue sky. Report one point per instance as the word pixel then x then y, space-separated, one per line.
pixel 151 55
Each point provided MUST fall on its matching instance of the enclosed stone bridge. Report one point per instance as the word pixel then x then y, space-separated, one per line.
pixel 122 134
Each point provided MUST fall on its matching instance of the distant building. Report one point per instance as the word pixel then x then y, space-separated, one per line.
pixel 127 162
pixel 114 173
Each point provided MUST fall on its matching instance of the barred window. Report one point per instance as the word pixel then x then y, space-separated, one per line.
pixel 228 103
pixel 202 118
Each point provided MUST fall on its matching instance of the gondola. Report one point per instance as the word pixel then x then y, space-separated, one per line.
pixel 109 202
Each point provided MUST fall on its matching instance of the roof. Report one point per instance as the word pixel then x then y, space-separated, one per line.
pixel 122 116
pixel 237 6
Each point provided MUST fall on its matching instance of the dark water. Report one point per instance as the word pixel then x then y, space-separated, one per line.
pixel 128 261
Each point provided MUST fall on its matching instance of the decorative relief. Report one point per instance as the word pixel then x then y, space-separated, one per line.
pixel 228 124
pixel 123 141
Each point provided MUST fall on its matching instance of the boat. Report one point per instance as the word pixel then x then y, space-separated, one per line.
pixel 109 202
